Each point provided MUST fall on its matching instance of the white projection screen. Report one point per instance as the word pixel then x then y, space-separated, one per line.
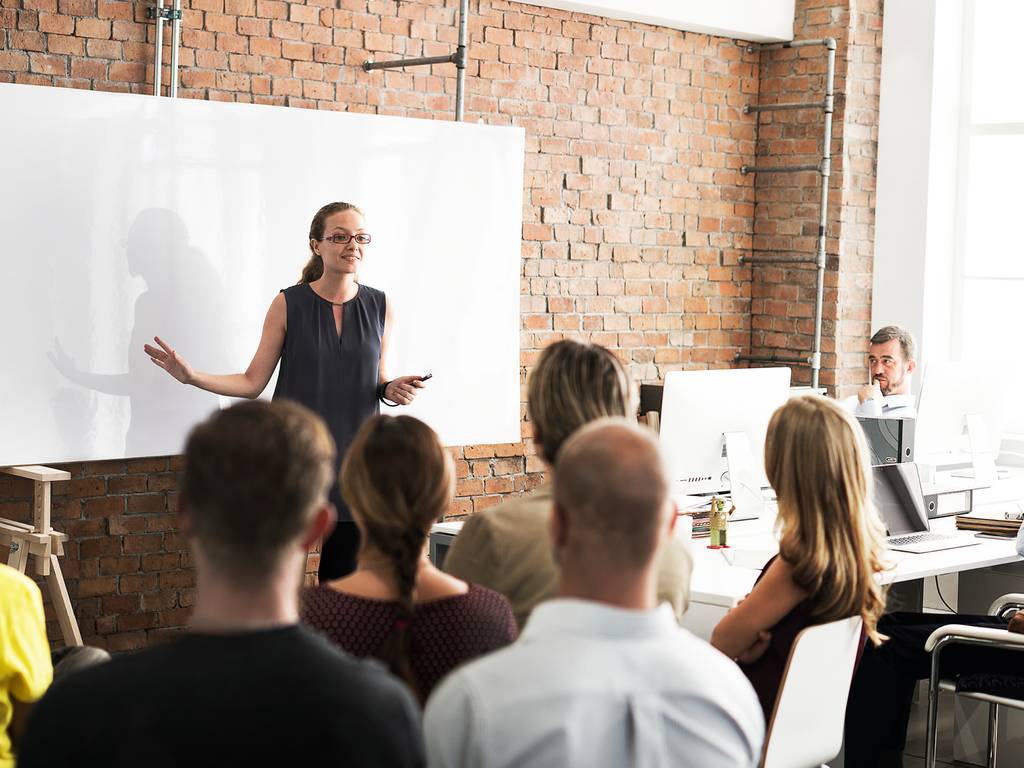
pixel 124 216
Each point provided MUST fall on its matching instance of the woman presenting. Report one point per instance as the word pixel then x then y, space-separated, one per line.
pixel 331 335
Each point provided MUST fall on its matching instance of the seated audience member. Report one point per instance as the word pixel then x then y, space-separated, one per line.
pixel 883 686
pixel 25 668
pixel 398 480
pixel 830 542
pixel 602 675
pixel 74 658
pixel 892 358
pixel 506 547
pixel 246 685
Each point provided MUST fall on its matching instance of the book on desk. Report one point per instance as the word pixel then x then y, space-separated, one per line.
pixel 997 521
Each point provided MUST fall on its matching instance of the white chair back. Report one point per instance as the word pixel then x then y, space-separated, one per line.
pixel 806 727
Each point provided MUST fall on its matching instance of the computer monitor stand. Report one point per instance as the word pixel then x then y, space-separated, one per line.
pixel 983 461
pixel 743 477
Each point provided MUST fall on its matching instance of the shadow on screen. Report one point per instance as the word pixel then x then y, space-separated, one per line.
pixel 182 303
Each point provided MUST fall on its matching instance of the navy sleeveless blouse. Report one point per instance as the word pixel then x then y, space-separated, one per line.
pixel 765 674
pixel 336 377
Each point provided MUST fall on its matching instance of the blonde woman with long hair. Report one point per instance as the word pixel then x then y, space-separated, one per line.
pixel 830 542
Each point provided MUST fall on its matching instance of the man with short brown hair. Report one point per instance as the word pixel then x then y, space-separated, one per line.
pixel 246 685
pixel 892 359
pixel 505 548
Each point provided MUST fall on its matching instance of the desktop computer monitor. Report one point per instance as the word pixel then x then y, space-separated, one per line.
pixel 950 391
pixel 700 407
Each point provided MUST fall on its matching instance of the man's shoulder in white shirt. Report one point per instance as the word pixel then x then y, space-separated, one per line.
pixel 889 407
pixel 589 684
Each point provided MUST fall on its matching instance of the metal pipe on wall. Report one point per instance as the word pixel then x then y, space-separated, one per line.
pixel 460 60
pixel 158 54
pixel 748 108
pixel 824 168
pixel 370 65
pixel 791 44
pixel 745 169
pixel 826 172
pixel 175 37
pixel 772 359
pixel 779 260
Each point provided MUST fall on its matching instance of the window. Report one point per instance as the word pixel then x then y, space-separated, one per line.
pixel 988 280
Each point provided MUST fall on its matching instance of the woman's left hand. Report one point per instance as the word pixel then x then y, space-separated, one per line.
pixel 756 651
pixel 403 389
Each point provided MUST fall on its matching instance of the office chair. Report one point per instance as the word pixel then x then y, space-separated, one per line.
pixel 992 689
pixel 806 727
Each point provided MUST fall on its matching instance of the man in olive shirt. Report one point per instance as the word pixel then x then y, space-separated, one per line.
pixel 506 548
pixel 246 685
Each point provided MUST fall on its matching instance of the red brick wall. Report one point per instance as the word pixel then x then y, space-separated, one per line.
pixel 635 214
pixel 860 150
pixel 126 566
pixel 786 216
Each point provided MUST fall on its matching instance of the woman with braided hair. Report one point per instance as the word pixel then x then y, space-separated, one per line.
pixel 398 479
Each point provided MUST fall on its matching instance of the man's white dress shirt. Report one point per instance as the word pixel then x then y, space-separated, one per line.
pixel 589 685
pixel 889 407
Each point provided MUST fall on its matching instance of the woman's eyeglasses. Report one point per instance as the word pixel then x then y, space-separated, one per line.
pixel 342 239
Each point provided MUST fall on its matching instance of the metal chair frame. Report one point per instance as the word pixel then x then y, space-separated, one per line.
pixel 959 634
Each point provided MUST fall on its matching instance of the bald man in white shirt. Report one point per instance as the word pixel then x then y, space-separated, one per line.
pixel 601 675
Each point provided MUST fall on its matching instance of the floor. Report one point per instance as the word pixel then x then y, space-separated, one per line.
pixel 913 757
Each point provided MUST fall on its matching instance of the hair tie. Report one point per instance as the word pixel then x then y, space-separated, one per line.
pixel 401 624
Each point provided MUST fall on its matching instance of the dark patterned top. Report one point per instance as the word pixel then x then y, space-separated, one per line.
pixel 445 632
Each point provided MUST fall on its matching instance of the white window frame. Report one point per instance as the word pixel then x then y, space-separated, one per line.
pixel 968 130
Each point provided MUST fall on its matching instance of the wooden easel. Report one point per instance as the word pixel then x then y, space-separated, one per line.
pixel 45 544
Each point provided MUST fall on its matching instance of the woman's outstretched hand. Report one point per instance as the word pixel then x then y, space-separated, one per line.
pixel 169 360
pixel 403 389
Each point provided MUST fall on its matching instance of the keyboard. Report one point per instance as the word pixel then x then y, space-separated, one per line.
pixel 917 538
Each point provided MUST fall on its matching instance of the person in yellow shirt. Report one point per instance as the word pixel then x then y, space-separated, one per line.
pixel 25 666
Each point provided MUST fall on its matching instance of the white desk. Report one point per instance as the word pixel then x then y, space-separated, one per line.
pixel 716 585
